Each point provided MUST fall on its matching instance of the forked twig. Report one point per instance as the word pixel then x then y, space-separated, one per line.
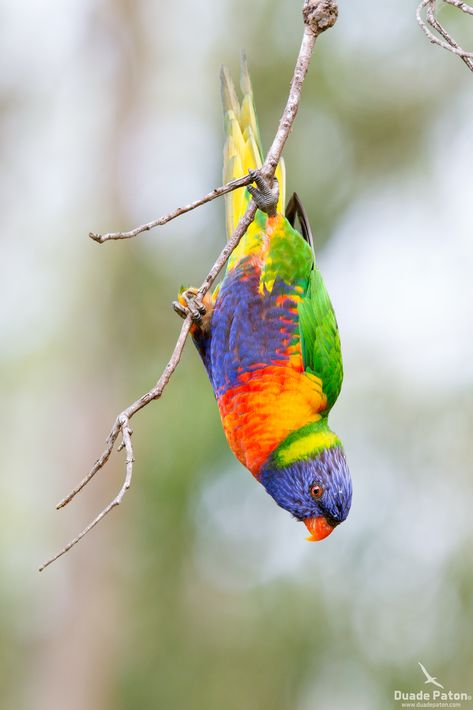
pixel 122 423
pixel 319 15
pixel 448 42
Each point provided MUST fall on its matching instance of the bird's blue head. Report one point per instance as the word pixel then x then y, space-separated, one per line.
pixel 315 489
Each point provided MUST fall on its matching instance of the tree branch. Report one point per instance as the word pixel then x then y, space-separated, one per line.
pixel 216 192
pixel 449 44
pixel 319 15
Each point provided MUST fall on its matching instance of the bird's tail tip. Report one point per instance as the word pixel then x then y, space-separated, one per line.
pixel 243 149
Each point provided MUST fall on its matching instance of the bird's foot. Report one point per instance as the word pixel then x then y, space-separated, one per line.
pixel 265 195
pixel 188 303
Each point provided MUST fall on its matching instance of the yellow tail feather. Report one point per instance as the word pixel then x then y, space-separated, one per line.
pixel 242 150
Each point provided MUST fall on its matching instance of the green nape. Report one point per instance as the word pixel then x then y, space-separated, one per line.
pixel 306 442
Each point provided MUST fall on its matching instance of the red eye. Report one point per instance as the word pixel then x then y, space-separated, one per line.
pixel 316 491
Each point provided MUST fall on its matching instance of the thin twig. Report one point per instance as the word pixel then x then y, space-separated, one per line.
pixel 449 44
pixel 216 192
pixel 461 6
pixel 319 15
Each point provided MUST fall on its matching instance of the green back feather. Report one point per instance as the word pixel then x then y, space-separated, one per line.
pixel 320 341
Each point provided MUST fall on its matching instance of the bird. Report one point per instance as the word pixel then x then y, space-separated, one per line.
pixel 430 679
pixel 268 337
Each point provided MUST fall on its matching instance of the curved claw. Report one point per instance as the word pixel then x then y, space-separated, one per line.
pixel 189 304
pixel 265 195
pixel 180 310
pixel 190 297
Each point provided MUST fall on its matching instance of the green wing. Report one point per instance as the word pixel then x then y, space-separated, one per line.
pixel 320 341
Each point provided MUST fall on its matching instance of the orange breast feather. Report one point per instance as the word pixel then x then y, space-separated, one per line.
pixel 265 408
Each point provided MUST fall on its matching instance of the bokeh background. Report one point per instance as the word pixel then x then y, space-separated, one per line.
pixel 199 592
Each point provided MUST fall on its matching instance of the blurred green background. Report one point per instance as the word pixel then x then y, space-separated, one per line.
pixel 199 592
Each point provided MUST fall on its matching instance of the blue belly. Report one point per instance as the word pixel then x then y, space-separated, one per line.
pixel 248 329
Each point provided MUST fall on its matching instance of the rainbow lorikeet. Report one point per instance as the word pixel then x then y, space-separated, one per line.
pixel 269 340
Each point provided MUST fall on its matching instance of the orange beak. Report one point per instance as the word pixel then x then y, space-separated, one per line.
pixel 318 527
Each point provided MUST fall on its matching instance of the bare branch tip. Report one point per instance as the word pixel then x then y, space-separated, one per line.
pixel 62 503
